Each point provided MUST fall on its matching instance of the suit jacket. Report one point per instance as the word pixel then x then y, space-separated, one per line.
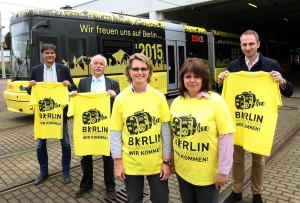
pixel 62 72
pixel 110 84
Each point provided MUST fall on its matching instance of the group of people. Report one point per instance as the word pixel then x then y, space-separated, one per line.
pixel 193 138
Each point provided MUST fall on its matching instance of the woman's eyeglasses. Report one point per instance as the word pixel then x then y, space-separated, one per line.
pixel 141 69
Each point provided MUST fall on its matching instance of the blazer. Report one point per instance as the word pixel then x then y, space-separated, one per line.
pixel 110 84
pixel 62 72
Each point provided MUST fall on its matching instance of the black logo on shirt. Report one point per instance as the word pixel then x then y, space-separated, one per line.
pixel 140 122
pixel 247 100
pixel 47 104
pixel 92 116
pixel 184 126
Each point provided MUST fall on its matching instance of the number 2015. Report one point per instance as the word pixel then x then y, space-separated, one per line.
pixel 154 51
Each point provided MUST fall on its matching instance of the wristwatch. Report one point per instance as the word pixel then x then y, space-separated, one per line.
pixel 167 163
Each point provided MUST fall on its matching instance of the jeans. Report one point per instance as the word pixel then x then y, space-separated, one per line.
pixel 195 194
pixel 159 190
pixel 42 154
pixel 87 170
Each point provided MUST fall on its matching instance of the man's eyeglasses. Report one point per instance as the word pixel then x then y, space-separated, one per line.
pixel 141 69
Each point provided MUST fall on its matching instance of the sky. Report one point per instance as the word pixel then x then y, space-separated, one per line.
pixel 9 7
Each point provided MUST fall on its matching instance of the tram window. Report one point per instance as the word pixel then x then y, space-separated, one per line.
pixel 181 55
pixel 171 63
pixel 117 52
pixel 77 54
pixel 196 51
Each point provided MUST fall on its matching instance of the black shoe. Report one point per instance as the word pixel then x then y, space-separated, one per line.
pixel 81 191
pixel 112 195
pixel 233 197
pixel 257 198
pixel 41 178
pixel 67 178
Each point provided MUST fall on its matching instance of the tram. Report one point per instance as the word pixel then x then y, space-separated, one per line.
pixel 80 34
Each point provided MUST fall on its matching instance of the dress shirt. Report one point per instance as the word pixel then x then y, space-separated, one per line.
pixel 50 73
pixel 248 61
pixel 98 84
pixel 131 86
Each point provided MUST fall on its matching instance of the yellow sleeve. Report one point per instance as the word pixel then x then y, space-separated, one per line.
pixel 165 112
pixel 65 99
pixel 223 118
pixel 71 107
pixel 116 116
pixel 32 101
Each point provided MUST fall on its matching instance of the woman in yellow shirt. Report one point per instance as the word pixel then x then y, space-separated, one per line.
pixel 140 134
pixel 202 128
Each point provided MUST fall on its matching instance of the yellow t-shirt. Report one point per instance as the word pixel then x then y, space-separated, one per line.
pixel 91 123
pixel 139 117
pixel 48 100
pixel 253 99
pixel 196 126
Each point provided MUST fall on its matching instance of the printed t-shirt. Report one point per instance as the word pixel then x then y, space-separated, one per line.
pixel 253 99
pixel 48 100
pixel 196 126
pixel 139 118
pixel 91 123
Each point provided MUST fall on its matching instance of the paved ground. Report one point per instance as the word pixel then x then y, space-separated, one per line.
pixel 19 168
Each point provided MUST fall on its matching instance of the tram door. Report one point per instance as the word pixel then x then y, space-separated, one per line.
pixel 175 58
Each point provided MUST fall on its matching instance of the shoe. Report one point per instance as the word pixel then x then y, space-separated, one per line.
pixel 67 178
pixel 233 197
pixel 41 178
pixel 257 198
pixel 81 191
pixel 112 195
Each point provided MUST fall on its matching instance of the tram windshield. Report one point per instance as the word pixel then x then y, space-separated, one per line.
pixel 20 56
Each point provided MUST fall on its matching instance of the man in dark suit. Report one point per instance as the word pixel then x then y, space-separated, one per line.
pixel 98 83
pixel 50 71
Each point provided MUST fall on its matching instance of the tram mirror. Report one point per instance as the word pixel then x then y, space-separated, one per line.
pixel 7 41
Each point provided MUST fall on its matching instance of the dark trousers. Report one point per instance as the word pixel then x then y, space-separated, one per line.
pixel 159 190
pixel 197 194
pixel 87 169
pixel 42 153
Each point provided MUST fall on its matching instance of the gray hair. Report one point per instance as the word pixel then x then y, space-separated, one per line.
pixel 99 55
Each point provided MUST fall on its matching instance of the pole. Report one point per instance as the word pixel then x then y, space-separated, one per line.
pixel 2 53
